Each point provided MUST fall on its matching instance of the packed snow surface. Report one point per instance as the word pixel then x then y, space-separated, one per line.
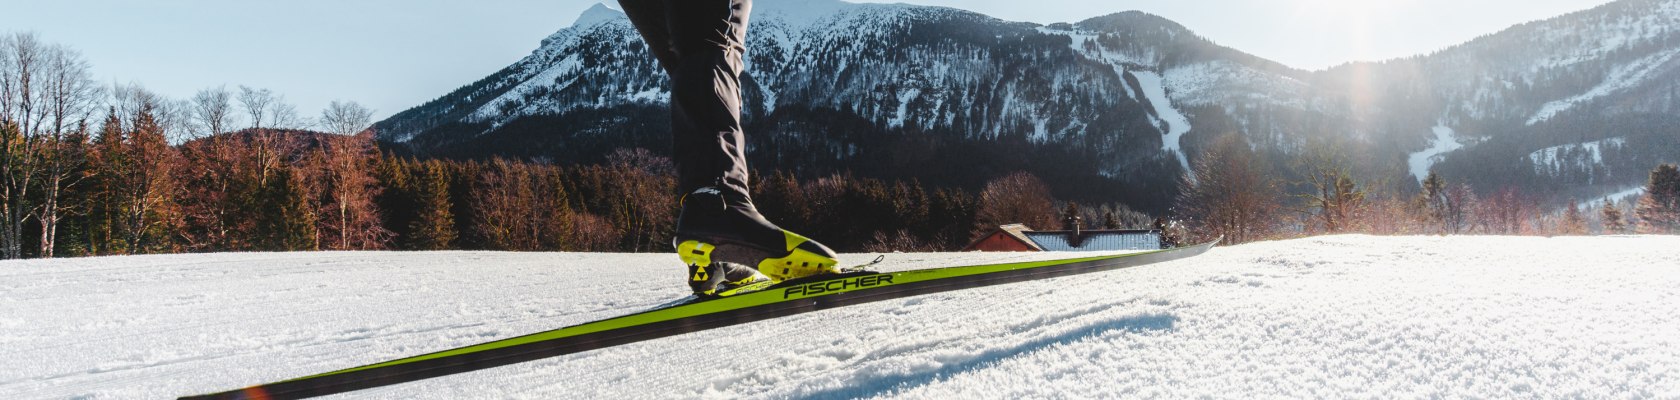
pixel 1327 317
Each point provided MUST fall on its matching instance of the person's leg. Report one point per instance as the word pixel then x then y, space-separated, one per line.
pixel 707 38
pixel 648 16
pixel 720 232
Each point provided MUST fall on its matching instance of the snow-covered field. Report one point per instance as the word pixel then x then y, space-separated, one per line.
pixel 1328 317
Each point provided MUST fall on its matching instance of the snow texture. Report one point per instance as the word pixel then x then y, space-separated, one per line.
pixel 1445 141
pixel 1328 317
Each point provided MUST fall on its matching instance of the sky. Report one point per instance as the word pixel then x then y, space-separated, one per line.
pixel 395 54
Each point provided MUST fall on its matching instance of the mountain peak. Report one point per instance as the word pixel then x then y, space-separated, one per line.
pixel 598 13
pixel 1133 21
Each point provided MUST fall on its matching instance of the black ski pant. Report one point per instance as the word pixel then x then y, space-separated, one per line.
pixel 699 44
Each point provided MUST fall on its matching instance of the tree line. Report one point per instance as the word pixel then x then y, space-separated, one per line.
pixel 87 169
pixel 1246 195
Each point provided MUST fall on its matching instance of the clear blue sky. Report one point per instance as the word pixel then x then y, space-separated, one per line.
pixel 395 54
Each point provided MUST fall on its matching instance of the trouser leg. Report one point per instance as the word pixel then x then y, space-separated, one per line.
pixel 699 43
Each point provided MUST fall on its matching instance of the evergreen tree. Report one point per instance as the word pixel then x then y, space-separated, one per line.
pixel 952 218
pixel 1573 222
pixel 1071 216
pixel 287 220
pixel 1612 217
pixel 1659 211
pixel 434 225
pixel 554 213
pixel 1432 200
pixel 397 201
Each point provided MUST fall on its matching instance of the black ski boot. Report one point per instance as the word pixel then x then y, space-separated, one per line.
pixel 723 227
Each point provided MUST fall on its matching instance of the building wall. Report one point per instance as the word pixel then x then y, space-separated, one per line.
pixel 1000 241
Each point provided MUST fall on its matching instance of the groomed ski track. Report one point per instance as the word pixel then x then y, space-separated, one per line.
pixel 1342 316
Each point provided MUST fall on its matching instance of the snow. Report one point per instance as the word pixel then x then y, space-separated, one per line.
pixel 904 98
pixel 1624 77
pixel 1176 123
pixel 1328 317
pixel 558 76
pixel 1118 60
pixel 596 14
pixel 1443 143
pixel 1620 197
pixel 800 13
pixel 1594 150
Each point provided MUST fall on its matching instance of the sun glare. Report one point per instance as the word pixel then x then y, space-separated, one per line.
pixel 1354 21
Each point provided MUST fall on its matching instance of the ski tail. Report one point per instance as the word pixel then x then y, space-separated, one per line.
pixel 784 299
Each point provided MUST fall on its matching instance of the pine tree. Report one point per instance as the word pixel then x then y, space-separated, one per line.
pixel 1071 216
pixel 1110 221
pixel 397 201
pixel 1612 216
pixel 554 214
pixel 434 225
pixel 1659 211
pixel 1573 222
pixel 288 222
pixel 1432 200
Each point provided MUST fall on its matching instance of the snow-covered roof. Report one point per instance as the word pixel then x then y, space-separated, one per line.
pixel 1108 240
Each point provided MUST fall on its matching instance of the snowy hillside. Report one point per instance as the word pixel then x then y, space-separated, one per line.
pixel 1125 99
pixel 1330 317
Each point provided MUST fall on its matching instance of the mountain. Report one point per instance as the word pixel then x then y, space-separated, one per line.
pixel 1110 108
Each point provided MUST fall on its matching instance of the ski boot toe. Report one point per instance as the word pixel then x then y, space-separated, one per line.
pixel 804 257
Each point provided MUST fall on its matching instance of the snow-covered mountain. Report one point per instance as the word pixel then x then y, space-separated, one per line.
pixel 1120 101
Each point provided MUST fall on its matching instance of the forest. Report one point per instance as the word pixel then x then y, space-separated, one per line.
pixel 88 169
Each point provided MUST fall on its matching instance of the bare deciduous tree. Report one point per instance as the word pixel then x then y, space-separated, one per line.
pixel 351 219
pixel 257 103
pixel 68 97
pixel 346 118
pixel 1233 195
pixel 20 139
pixel 212 111
pixel 283 115
pixel 1505 212
pixel 1018 198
